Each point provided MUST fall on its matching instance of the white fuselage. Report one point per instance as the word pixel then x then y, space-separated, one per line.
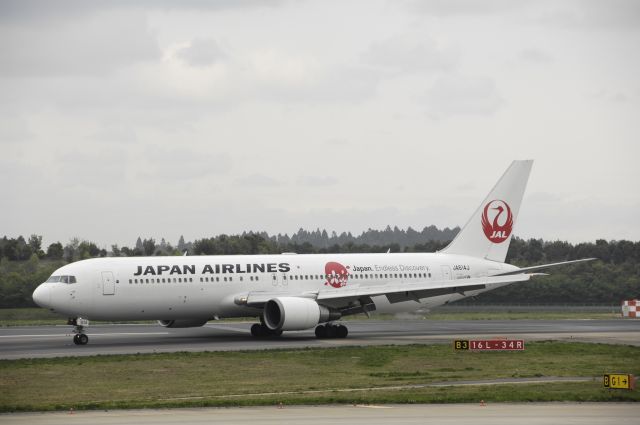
pixel 207 287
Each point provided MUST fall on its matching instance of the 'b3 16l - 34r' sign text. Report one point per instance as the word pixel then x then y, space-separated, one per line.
pixel 489 344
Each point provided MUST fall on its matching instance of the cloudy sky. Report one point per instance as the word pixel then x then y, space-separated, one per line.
pixel 161 118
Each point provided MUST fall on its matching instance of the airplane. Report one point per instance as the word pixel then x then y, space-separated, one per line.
pixel 291 292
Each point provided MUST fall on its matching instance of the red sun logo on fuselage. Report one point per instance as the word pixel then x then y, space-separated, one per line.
pixel 336 274
pixel 497 228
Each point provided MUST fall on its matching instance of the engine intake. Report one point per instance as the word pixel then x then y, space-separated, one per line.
pixel 182 323
pixel 296 314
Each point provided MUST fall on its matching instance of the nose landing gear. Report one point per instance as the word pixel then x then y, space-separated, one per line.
pixel 80 338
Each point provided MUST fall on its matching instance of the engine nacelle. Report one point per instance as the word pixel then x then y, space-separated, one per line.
pixel 296 314
pixel 182 323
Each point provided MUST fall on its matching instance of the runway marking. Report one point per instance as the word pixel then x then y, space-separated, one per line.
pixel 372 406
pixel 92 334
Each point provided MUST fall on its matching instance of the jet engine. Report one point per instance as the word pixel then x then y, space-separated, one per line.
pixel 182 323
pixel 296 314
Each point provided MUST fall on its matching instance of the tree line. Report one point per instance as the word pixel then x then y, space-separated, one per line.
pixel 24 263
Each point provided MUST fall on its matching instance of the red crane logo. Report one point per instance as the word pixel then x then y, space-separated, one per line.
pixel 336 274
pixel 498 230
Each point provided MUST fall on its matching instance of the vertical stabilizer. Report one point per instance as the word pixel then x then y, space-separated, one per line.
pixel 488 232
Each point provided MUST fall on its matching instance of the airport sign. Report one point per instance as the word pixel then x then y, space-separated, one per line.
pixel 619 381
pixel 489 345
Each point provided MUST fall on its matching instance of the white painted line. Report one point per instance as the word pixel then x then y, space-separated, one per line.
pixel 372 406
pixel 92 334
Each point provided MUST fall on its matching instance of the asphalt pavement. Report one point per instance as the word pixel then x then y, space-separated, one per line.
pixel 56 341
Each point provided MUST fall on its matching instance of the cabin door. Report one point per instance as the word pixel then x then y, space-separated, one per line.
pixel 108 284
pixel 446 272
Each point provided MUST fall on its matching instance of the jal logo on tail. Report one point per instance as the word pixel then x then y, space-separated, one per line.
pixel 497 221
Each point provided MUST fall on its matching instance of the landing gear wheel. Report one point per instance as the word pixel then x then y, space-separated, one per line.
pixel 321 332
pixel 342 331
pixel 331 331
pixel 257 330
pixel 261 331
pixel 80 339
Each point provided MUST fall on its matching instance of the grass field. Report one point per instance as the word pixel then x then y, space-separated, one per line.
pixel 41 316
pixel 311 376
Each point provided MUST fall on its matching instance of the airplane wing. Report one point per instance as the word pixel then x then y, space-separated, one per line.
pixel 359 295
pixel 395 293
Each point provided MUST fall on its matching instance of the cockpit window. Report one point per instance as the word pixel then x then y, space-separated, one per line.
pixel 63 279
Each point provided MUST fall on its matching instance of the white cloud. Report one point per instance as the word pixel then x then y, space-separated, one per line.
pixel 456 95
pixel 98 44
pixel 257 180
pixel 401 55
pixel 534 55
pixel 201 52
pixel 317 181
pixel 216 117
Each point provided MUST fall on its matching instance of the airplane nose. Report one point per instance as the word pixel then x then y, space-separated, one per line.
pixel 42 296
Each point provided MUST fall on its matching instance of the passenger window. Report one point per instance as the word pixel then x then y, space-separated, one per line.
pixel 241 280
pixel 256 277
pixel 225 278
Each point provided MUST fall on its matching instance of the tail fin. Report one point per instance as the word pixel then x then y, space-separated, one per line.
pixel 488 232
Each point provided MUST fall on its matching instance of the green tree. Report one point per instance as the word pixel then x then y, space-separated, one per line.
pixel 55 251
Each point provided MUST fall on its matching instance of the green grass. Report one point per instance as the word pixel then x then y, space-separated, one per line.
pixel 310 376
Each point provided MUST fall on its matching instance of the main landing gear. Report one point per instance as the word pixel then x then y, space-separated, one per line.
pixel 331 331
pixel 261 331
pixel 80 338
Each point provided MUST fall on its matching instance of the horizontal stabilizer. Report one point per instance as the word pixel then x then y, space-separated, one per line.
pixel 542 267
